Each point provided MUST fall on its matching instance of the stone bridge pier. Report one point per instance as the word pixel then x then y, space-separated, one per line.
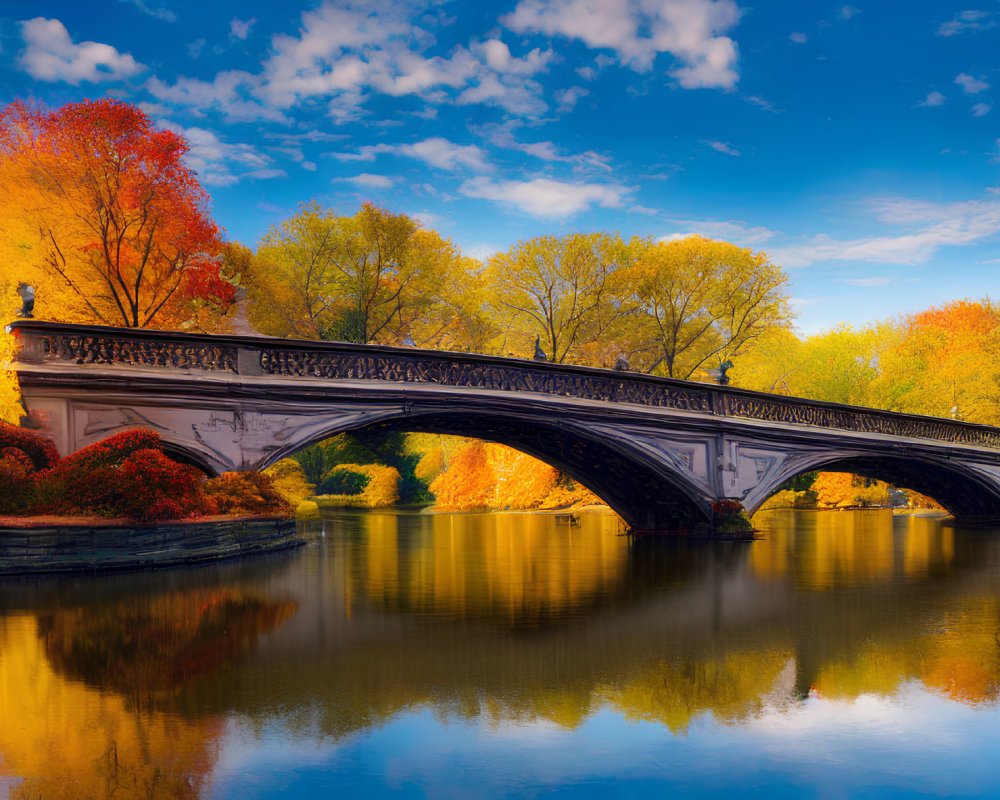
pixel 658 451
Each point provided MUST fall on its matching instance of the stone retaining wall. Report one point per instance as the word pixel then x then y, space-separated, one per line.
pixel 94 548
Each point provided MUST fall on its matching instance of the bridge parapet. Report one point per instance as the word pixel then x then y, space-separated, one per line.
pixel 264 357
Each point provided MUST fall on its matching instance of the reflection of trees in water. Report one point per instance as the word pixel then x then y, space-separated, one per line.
pixel 150 646
pixel 82 686
pixel 72 741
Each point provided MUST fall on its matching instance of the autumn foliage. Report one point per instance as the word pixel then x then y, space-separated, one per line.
pixel 125 475
pixel 111 225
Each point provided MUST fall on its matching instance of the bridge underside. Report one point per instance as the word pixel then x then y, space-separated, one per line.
pixel 645 494
pixel 959 490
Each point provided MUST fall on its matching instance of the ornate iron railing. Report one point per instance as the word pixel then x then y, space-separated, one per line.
pixel 252 356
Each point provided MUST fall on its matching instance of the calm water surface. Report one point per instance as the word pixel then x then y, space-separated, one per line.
pixel 847 654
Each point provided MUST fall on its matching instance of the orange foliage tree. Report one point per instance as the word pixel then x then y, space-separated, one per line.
pixel 113 226
pixel 952 353
pixel 484 475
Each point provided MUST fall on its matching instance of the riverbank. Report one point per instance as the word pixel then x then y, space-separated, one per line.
pixel 51 544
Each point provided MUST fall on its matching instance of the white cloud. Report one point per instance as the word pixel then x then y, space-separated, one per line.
pixel 981 109
pixel 343 52
pixel 722 147
pixel 441 153
pixel 436 151
pixel 933 100
pixel 544 197
pixel 240 29
pixel 229 92
pixel 929 227
pixel 971 85
pixel 737 232
pixel 846 12
pixel 798 38
pixel 967 21
pixel 369 181
pixel 639 30
pixel 51 55
pixel 219 163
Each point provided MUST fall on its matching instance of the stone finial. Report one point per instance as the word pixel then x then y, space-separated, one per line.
pixel 27 301
pixel 539 353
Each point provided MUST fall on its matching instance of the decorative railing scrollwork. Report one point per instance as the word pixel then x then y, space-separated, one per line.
pixel 252 356
pixel 124 350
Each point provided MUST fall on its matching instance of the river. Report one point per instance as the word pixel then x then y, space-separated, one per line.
pixel 845 654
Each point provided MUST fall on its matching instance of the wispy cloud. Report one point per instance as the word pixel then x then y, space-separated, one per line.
pixel 159 12
pixel 436 151
pixel 981 109
pixel 966 21
pixel 875 280
pixel 798 38
pixel 722 147
pixel 927 228
pixel 369 181
pixel 544 197
pixel 735 231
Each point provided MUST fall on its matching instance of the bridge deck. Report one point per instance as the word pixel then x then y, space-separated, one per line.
pixel 50 344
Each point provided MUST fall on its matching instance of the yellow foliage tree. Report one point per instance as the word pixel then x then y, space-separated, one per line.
pixel 371 277
pixel 700 302
pixel 10 397
pixel 566 290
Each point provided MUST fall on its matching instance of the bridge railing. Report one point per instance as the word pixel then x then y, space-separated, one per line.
pixel 257 357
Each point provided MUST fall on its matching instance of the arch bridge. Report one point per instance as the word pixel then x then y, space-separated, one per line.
pixel 660 452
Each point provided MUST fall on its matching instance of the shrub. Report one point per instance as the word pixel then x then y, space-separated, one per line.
pixel 245 493
pixel 290 480
pixel 343 480
pixel 17 481
pixel 87 481
pixel 151 486
pixel 381 490
pixel 41 451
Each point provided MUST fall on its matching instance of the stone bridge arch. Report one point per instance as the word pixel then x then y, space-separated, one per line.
pixel 962 489
pixel 642 489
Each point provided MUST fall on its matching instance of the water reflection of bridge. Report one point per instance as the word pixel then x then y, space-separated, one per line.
pixel 658 451
pixel 390 613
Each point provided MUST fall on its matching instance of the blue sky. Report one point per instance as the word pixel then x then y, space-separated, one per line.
pixel 857 145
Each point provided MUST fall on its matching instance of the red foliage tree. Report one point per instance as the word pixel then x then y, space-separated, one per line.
pixel 123 225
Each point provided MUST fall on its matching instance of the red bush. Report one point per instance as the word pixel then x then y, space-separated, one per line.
pixel 87 481
pixel 151 486
pixel 41 451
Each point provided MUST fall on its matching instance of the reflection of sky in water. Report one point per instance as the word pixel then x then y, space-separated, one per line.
pixel 871 746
